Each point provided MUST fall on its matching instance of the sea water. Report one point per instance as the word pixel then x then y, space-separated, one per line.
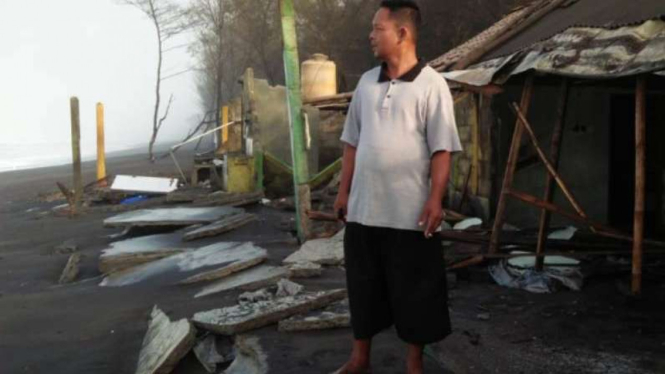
pixel 36 155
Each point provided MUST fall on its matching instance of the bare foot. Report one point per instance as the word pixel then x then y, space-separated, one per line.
pixel 353 367
pixel 414 367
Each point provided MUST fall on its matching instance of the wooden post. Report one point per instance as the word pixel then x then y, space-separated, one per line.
pixel 101 149
pixel 555 148
pixel 76 153
pixel 224 133
pixel 640 177
pixel 513 154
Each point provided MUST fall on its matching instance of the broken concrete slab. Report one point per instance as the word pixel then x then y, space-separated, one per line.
pixel 71 270
pixel 208 355
pixel 245 317
pixel 165 343
pixel 335 315
pixel 212 255
pixel 255 296
pixel 219 227
pixel 171 217
pixel 226 270
pixel 248 280
pixel 320 251
pixel 287 288
pixel 305 270
pixel 133 252
pixel 250 357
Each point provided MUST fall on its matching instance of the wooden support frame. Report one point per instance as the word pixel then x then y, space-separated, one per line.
pixel 525 102
pixel 555 149
pixel 640 183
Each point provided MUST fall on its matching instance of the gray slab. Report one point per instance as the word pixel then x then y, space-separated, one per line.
pixel 212 255
pixel 219 227
pixel 171 216
pixel 245 317
pixel 248 280
pixel 335 315
pixel 165 343
pixel 226 270
pixel 320 251
pixel 128 253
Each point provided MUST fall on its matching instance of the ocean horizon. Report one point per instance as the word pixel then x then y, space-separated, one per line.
pixel 15 157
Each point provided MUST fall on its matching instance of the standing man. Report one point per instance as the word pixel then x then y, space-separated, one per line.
pixel 399 135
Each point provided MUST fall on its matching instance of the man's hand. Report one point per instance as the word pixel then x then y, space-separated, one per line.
pixel 431 217
pixel 341 205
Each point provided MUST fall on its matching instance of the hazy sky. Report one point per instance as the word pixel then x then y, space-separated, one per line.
pixel 97 50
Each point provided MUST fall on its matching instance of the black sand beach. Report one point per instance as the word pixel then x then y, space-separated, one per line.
pixel 84 328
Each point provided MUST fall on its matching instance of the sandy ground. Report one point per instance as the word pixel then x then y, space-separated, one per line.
pixel 84 328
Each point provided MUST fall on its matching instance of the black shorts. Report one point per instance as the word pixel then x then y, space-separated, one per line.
pixel 396 277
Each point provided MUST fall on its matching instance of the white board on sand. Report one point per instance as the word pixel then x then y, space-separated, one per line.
pixel 132 183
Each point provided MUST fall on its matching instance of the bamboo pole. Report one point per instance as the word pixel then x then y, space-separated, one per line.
pixel 513 154
pixel 555 149
pixel 101 148
pixel 532 135
pixel 640 182
pixel 76 153
pixel 294 101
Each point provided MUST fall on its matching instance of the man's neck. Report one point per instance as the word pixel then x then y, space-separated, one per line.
pixel 401 64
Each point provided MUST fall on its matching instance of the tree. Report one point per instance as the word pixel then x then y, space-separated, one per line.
pixel 167 18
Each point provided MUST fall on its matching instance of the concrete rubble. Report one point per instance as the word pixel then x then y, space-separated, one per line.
pixel 133 252
pixel 320 251
pixel 245 317
pixel 250 357
pixel 214 254
pixel 249 280
pixel 219 227
pixel 305 270
pixel 71 270
pixel 171 217
pixel 207 352
pixel 336 315
pixel 165 343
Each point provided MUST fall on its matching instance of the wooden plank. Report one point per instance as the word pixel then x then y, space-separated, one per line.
pixel 640 183
pixel 555 149
pixel 513 155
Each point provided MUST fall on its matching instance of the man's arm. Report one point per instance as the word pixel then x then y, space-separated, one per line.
pixel 432 214
pixel 348 166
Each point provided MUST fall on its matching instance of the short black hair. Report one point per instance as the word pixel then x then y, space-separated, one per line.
pixel 404 11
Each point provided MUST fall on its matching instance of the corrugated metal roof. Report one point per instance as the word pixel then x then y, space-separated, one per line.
pixel 586 52
pixel 608 14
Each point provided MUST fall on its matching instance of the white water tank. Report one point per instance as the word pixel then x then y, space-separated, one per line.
pixel 319 77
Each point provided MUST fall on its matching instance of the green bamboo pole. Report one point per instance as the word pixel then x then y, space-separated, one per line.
pixel 294 101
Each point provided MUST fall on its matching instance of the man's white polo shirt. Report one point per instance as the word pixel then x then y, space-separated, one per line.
pixel 396 126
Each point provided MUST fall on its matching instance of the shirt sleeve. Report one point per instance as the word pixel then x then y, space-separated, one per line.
pixel 441 128
pixel 351 133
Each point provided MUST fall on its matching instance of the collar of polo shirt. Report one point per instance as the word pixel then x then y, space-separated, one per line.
pixel 409 76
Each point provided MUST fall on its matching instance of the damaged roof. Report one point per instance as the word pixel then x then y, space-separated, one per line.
pixel 606 14
pixel 581 38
